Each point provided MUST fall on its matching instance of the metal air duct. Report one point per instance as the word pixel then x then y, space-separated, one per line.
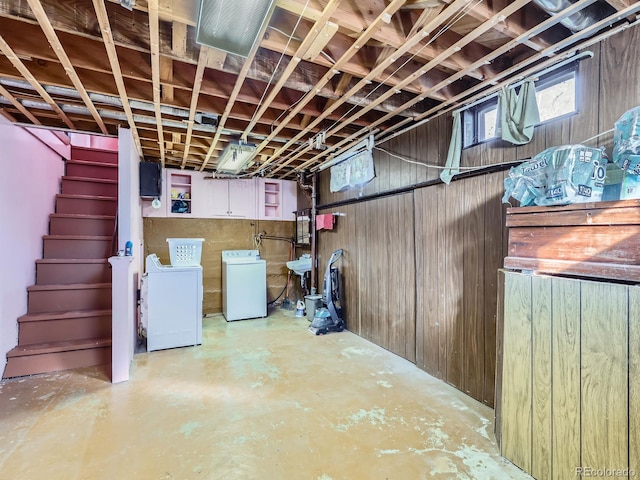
pixel 579 20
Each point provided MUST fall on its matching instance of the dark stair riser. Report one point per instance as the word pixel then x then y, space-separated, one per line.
pixel 56 300
pixel 53 362
pixel 61 247
pixel 74 186
pixel 81 225
pixel 86 205
pixel 72 272
pixel 92 155
pixel 63 329
pixel 104 171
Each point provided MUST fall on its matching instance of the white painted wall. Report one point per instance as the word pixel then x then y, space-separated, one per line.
pixel 124 308
pixel 29 182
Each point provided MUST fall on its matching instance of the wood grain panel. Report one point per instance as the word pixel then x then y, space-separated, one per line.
pixel 427 284
pixel 516 371
pixel 634 379
pixel 441 262
pixel 565 345
pixel 407 277
pixel 473 286
pixel 617 93
pixel 599 215
pixel 541 363
pixel 342 236
pixel 585 125
pixel 499 356
pixel 492 262
pixel 385 293
pixel 596 243
pixel 454 282
pixel 604 376
pixel 224 235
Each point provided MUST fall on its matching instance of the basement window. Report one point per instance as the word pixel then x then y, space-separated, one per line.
pixel 555 94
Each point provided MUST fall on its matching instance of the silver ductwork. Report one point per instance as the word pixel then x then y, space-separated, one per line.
pixel 579 20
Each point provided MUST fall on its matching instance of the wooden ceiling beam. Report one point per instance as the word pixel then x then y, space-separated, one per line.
pixel 14 101
pixel 314 32
pixel 504 13
pixel 484 13
pixel 109 45
pixel 135 64
pixel 387 36
pixel 444 16
pixel 195 94
pixel 51 35
pixel 234 94
pixel 382 19
pixel 574 42
pixel 28 76
pixel 154 42
pixel 619 4
pixel 8 116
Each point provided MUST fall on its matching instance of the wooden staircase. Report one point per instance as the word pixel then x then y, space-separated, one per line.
pixel 68 322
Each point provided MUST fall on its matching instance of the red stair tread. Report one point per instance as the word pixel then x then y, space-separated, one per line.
pixel 76 237
pixel 70 286
pixel 54 347
pixel 38 317
pixel 73 260
pixel 87 197
pixel 82 216
pixel 90 179
pixel 90 163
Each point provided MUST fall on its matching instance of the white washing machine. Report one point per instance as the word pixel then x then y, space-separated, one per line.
pixel 171 304
pixel 244 285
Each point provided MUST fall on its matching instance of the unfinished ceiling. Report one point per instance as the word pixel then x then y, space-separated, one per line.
pixel 325 74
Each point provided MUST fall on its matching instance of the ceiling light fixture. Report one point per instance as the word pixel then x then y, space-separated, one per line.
pixel 235 157
pixel 232 25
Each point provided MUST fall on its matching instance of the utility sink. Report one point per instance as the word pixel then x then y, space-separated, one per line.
pixel 301 265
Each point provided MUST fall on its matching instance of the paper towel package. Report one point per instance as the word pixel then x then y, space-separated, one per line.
pixel 558 176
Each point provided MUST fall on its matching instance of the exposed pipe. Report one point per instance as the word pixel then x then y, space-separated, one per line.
pixel 579 20
pixel 312 222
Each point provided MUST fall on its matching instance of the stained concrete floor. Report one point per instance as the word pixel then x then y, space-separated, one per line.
pixel 260 399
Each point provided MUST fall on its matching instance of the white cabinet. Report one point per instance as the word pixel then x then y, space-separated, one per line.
pixel 197 195
pixel 276 199
pixel 232 198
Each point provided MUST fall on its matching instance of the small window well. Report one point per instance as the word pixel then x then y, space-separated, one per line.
pixel 556 94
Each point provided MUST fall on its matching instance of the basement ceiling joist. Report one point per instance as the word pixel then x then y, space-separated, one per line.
pixel 93 65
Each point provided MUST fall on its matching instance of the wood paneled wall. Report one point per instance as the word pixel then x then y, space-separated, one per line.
pixel 378 249
pixel 569 376
pixel 459 235
pixel 222 235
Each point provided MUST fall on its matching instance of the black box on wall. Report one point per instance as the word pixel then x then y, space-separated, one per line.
pixel 150 179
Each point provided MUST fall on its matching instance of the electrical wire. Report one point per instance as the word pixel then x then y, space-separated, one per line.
pixel 481 167
pixel 275 70
pixel 447 26
pixel 441 167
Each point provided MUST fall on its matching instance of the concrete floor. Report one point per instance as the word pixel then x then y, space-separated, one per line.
pixel 259 399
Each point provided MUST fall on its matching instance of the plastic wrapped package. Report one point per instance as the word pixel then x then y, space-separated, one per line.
pixel 630 188
pixel 526 182
pixel 558 176
pixel 626 136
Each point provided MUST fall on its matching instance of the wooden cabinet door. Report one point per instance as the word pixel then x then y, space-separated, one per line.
pixel 219 204
pixel 241 199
